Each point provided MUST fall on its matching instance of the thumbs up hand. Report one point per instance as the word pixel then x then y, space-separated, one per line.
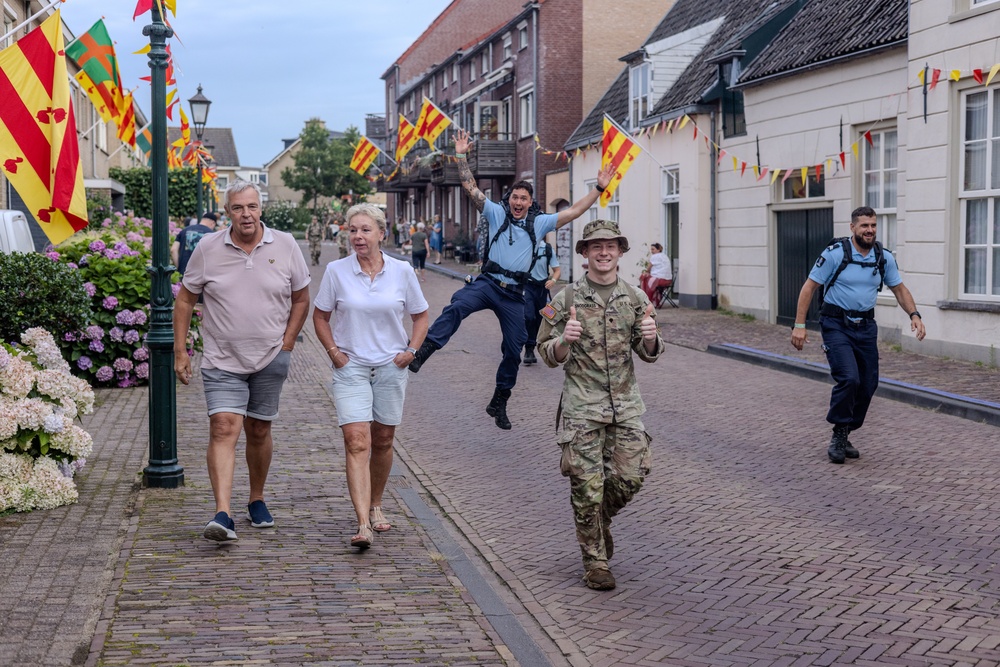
pixel 648 324
pixel 573 329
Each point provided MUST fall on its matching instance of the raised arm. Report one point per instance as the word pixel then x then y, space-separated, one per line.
pixel 583 204
pixel 462 144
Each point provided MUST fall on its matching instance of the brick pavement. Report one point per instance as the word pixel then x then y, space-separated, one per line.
pixel 745 547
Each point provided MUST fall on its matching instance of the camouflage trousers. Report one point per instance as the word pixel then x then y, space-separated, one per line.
pixel 606 465
pixel 315 247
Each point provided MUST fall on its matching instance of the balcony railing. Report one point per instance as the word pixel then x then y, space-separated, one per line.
pixel 493 158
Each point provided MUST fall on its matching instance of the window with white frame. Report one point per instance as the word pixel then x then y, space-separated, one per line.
pixel 880 174
pixel 638 86
pixel 983 2
pixel 527 113
pixel 222 182
pixel 101 135
pixel 472 71
pixel 670 198
pixel 508 46
pixel 262 177
pixel 980 194
pixel 522 35
pixel 485 60
pixel 794 187
pixel 454 73
pixel 430 90
pixel 8 24
pixel 594 212
pixel 444 80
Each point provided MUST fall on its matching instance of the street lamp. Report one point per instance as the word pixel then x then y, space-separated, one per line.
pixel 163 470
pixel 199 116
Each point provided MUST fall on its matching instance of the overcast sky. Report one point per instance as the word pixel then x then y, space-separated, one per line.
pixel 269 65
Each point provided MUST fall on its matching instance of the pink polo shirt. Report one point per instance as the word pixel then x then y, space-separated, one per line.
pixel 248 297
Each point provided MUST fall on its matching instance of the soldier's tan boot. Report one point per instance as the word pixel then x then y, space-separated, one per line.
pixel 599 579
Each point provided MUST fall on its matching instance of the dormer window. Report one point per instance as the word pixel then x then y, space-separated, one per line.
pixel 734 122
pixel 639 85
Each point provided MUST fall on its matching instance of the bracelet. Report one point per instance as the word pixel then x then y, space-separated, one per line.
pixel 411 351
pixel 917 313
pixel 332 348
pixel 599 188
pixel 799 326
pixel 460 155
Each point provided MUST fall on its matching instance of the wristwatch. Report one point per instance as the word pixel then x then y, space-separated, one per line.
pixel 411 351
pixel 917 313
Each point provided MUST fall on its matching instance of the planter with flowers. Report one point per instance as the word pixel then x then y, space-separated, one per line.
pixel 41 449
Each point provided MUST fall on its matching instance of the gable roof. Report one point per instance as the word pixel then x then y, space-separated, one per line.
pixel 849 27
pixel 218 141
pixel 292 143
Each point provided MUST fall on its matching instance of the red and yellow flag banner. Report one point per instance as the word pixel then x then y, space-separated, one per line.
pixel 618 150
pixel 406 139
pixel 364 155
pixel 126 124
pixel 39 153
pixel 431 123
pixel 94 53
pixel 185 139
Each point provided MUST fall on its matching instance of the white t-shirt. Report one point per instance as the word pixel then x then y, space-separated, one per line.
pixel 369 313
pixel 659 266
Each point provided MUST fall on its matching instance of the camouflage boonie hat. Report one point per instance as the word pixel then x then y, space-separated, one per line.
pixel 601 229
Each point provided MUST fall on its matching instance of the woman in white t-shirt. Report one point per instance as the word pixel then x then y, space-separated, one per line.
pixel 370 350
pixel 659 273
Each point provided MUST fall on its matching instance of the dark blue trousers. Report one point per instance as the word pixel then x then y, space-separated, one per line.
pixel 507 304
pixel 852 351
pixel 535 298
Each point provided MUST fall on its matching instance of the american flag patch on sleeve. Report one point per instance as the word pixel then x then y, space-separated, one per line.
pixel 548 312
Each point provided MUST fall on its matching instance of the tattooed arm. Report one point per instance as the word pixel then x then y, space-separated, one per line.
pixel 462 144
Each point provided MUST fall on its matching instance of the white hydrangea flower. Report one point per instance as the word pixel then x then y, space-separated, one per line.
pixel 45 349
pixel 74 441
pixel 54 423
pixel 31 413
pixel 17 378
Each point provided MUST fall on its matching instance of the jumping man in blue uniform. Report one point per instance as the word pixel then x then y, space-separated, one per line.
pixel 515 225
pixel 847 320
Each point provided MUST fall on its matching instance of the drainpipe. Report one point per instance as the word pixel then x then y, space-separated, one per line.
pixel 536 95
pixel 712 216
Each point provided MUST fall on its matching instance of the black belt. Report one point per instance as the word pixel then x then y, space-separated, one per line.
pixel 500 283
pixel 836 311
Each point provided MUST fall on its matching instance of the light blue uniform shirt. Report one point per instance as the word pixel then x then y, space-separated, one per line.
pixel 857 286
pixel 516 256
pixel 541 270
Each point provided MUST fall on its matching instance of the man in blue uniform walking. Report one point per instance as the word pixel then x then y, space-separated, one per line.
pixel 847 320
pixel 515 225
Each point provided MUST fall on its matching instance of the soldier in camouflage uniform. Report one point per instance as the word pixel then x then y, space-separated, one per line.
pixel 605 447
pixel 314 234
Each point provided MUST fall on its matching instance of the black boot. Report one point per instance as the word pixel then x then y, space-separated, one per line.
pixel 849 450
pixel 529 355
pixel 498 408
pixel 426 350
pixel 838 443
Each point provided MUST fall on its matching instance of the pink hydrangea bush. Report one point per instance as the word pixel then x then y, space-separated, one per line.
pixel 41 448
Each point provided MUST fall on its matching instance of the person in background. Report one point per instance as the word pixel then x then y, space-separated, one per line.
pixel 184 245
pixel 421 248
pixel 659 274
pixel 315 233
pixel 255 284
pixel 536 294
pixel 437 238
pixel 369 350
pixel 605 447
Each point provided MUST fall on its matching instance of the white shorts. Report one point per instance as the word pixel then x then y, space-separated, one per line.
pixel 369 393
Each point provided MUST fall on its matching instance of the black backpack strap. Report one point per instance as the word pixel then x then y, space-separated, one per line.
pixel 880 264
pixel 489 266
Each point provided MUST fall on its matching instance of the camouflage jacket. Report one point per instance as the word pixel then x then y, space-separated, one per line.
pixel 600 380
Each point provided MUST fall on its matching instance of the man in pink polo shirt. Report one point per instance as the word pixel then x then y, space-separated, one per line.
pixel 255 284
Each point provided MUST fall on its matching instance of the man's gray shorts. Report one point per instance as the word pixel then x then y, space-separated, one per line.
pixel 254 395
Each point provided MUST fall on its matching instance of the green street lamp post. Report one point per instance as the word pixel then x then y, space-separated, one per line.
pixel 163 470
pixel 199 116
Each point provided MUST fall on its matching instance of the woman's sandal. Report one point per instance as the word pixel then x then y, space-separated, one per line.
pixel 364 538
pixel 379 523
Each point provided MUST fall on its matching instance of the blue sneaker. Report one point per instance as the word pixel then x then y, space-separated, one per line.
pixel 258 515
pixel 220 529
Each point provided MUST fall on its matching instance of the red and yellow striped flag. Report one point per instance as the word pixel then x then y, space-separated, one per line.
pixel 94 53
pixel 406 139
pixel 618 150
pixel 126 124
pixel 431 123
pixel 185 139
pixel 364 155
pixel 39 153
